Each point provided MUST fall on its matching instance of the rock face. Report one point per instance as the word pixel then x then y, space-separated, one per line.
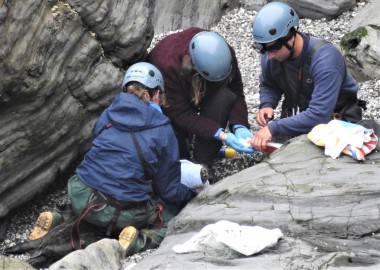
pixel 362 52
pixel 361 46
pixel 321 9
pixel 174 15
pixel 328 211
pixel 123 36
pixel 368 15
pixel 312 9
pixel 57 76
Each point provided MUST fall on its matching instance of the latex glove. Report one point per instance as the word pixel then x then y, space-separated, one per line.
pixel 242 133
pixel 233 142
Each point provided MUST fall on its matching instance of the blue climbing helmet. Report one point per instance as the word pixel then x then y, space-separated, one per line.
pixel 144 73
pixel 211 56
pixel 273 21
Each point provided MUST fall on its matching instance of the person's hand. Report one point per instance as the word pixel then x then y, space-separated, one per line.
pixel 263 115
pixel 233 142
pixel 261 138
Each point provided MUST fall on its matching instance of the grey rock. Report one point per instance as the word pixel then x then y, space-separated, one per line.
pixel 181 14
pixel 319 9
pixel 360 46
pixel 57 77
pixel 326 208
pixel 104 254
pixel 253 4
pixel 367 15
pixel 123 28
pixel 362 52
pixel 14 264
pixel 311 9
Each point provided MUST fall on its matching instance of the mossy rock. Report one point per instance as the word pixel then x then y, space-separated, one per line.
pixel 352 40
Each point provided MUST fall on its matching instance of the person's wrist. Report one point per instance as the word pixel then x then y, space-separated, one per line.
pixel 222 136
pixel 217 133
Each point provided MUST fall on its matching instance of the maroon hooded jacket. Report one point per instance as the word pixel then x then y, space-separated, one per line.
pixel 167 56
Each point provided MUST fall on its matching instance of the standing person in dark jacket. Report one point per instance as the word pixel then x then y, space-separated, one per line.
pixel 204 92
pixel 310 73
pixel 130 179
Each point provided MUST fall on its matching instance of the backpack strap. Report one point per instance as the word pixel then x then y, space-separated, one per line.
pixel 138 148
pixel 304 84
pixel 142 160
pixel 313 50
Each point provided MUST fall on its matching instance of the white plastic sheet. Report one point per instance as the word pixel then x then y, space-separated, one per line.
pixel 246 240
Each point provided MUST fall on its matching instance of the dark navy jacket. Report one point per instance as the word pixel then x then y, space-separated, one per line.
pixel 112 165
pixel 330 77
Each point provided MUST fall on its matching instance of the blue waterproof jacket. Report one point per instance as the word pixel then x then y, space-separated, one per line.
pixel 112 165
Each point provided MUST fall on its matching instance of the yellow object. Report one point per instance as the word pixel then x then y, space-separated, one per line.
pixel 227 153
pixel 317 133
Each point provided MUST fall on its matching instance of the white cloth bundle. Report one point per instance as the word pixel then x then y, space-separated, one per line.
pixel 339 136
pixel 246 240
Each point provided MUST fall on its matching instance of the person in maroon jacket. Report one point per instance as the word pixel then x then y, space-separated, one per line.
pixel 204 93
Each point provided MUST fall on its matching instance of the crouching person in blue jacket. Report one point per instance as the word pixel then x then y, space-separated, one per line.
pixel 129 182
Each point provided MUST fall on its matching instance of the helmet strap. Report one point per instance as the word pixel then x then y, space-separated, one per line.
pixel 291 49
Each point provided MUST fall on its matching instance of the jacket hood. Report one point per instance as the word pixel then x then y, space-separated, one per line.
pixel 127 112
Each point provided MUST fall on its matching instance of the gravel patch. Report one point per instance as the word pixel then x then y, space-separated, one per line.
pixel 236 27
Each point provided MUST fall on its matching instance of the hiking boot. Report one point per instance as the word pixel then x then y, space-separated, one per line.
pixel 45 222
pixel 64 210
pixel 126 237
